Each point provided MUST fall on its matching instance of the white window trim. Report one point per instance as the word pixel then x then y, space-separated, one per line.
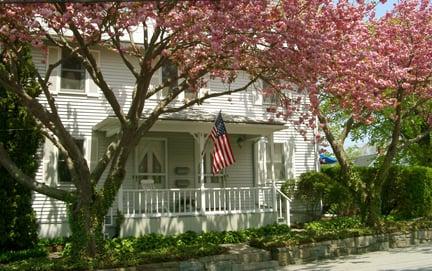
pixel 89 81
pixel 88 84
pixel 57 78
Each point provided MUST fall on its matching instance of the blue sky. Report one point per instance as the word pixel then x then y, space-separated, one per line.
pixel 382 8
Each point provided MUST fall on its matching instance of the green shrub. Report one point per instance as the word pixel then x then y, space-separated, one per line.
pixel 316 186
pixel 406 193
pixel 11 256
pixel 416 192
pixel 21 138
pixel 288 188
pixel 336 224
pixel 392 192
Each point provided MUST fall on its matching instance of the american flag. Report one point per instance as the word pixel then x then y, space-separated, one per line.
pixel 222 154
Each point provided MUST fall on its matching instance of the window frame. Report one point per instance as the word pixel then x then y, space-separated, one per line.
pixel 60 161
pixel 83 81
pixel 274 99
pixel 282 161
pixel 168 65
pixel 208 175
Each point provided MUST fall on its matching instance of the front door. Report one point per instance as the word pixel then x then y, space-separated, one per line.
pixel 151 164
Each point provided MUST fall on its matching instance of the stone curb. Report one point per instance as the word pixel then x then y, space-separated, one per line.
pixel 354 245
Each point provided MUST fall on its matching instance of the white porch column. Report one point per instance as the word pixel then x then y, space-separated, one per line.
pixel 201 140
pixel 273 176
pixel 120 199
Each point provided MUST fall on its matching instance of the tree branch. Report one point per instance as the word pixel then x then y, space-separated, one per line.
pixel 116 42
pixel 347 129
pixel 30 183
pixel 103 162
pixel 208 96
pixel 91 66
pixel 408 142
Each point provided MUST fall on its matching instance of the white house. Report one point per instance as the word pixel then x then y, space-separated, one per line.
pixel 165 190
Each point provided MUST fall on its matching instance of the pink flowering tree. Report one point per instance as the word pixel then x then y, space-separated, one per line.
pixel 362 69
pixel 216 38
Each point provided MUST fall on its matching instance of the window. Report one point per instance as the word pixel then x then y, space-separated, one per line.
pixel 190 95
pixel 278 160
pixel 72 74
pixel 209 179
pixel 269 98
pixel 64 175
pixel 169 77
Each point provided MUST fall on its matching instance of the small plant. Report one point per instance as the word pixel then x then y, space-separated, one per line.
pixel 10 256
pixel 340 223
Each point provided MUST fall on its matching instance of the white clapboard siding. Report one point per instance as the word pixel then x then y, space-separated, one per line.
pixel 241 173
pixel 81 112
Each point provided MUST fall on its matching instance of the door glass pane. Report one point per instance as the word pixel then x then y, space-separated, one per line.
pixel 143 165
pixel 157 165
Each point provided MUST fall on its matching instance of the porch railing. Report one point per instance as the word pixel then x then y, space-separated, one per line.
pixel 283 207
pixel 178 202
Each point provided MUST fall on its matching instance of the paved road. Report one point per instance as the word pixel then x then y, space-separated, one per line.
pixel 417 258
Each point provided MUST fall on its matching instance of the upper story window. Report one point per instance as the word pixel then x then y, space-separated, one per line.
pixel 269 97
pixel 63 172
pixel 73 74
pixel 71 77
pixel 169 76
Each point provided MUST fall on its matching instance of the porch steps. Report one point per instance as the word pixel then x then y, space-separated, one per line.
pixel 250 259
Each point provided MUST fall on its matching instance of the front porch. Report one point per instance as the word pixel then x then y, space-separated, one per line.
pixel 173 210
pixel 169 187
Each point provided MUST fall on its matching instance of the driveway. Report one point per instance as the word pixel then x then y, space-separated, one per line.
pixel 417 258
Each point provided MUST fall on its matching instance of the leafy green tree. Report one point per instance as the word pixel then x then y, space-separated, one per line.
pixel 21 137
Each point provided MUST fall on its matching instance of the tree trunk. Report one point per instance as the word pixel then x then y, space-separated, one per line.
pixel 86 224
pixel 348 177
pixel 384 169
pixel 373 204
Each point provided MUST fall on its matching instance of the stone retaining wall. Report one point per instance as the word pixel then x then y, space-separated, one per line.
pixel 355 245
pixel 239 257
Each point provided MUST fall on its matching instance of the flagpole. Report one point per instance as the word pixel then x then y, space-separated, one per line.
pixel 206 140
pixel 205 145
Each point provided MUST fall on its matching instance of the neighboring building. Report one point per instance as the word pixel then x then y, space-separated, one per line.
pixel 367 157
pixel 162 191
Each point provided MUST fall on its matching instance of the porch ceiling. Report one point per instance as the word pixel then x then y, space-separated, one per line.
pixel 199 122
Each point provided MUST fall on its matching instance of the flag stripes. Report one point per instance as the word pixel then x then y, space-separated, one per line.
pixel 222 154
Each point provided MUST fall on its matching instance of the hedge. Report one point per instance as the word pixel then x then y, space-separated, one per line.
pixel 21 138
pixel 407 192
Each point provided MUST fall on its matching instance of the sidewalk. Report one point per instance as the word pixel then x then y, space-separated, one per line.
pixel 417 258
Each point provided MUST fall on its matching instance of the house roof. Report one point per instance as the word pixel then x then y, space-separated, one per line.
pixel 365 160
pixel 199 115
pixel 193 121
